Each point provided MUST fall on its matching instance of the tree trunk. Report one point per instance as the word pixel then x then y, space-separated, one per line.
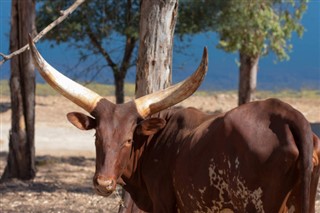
pixel 157 23
pixel 119 88
pixel 21 157
pixel 154 67
pixel 247 78
pixel 120 75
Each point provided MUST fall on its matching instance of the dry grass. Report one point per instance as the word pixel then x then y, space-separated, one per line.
pixel 65 155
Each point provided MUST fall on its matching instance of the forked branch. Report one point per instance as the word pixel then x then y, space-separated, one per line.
pixel 63 16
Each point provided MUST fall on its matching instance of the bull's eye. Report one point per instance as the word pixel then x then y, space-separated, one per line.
pixel 129 142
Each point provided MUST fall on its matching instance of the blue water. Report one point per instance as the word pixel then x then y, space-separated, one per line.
pixel 301 71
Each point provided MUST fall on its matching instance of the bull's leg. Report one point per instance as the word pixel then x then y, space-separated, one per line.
pixel 295 196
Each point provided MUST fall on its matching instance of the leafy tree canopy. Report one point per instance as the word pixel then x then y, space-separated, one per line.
pixel 253 27
pixel 102 17
pixel 196 16
pixel 256 27
pixel 91 25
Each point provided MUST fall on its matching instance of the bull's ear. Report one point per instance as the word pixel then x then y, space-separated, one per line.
pixel 81 121
pixel 150 126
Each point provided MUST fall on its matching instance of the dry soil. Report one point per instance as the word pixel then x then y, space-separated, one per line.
pixel 65 156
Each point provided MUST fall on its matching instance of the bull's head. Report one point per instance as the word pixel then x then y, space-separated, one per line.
pixel 115 124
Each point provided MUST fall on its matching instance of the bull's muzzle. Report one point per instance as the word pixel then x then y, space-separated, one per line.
pixel 104 186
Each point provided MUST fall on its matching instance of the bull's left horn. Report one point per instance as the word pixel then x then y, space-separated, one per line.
pixel 157 101
pixel 75 92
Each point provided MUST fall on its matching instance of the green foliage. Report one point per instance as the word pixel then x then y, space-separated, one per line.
pixel 109 17
pixel 253 27
pixel 102 17
pixel 93 27
pixel 197 16
pixel 256 27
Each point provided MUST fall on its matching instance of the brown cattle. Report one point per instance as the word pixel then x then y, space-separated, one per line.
pixel 183 160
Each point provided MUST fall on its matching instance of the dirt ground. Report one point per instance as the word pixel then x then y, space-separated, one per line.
pixel 65 156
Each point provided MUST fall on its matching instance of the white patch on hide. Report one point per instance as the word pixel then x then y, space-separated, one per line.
pixel 237 163
pixel 291 209
pixel 240 195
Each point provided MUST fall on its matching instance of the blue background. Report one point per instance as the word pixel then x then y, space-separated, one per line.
pixel 301 71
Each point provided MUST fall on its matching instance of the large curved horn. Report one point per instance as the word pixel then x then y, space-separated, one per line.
pixel 157 101
pixel 75 92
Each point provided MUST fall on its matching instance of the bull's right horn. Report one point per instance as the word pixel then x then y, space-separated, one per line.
pixel 75 92
pixel 157 101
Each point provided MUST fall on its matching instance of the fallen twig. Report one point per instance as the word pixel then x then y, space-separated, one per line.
pixel 63 16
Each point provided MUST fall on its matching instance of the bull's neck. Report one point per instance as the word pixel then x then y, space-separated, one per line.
pixel 152 151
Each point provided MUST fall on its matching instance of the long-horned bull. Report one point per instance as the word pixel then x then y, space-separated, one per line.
pixel 115 124
pixel 259 157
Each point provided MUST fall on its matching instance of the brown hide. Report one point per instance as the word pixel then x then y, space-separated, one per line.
pixel 247 160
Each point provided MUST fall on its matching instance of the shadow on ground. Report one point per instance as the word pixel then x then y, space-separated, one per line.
pixel 69 174
pixel 5 107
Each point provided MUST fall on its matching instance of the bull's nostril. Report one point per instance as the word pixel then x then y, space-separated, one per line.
pixel 109 185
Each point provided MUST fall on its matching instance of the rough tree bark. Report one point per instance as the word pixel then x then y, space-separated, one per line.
pixel 21 157
pixel 157 23
pixel 154 67
pixel 247 78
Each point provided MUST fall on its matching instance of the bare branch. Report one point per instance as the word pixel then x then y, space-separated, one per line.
pixel 63 16
pixel 105 54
